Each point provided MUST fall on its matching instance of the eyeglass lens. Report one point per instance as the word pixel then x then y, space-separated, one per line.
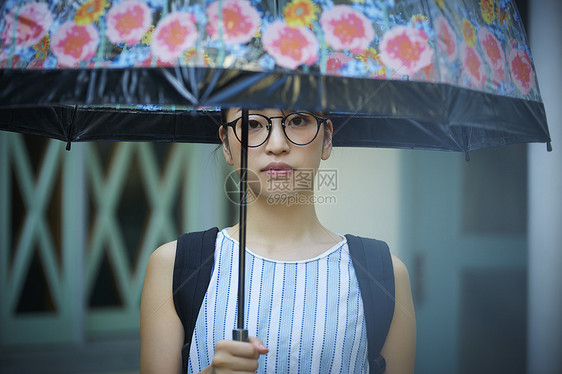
pixel 300 128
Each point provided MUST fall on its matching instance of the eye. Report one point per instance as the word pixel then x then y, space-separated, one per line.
pixel 254 125
pixel 299 120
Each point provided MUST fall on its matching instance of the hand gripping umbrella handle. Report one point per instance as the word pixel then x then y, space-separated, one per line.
pixel 240 333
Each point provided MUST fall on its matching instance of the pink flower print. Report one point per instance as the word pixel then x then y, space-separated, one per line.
pixel 241 21
pixel 405 50
pixel 493 53
pixel 128 22
pixel 447 38
pixel 72 43
pixel 290 46
pixel 521 71
pixel 173 35
pixel 335 61
pixel 346 28
pixel 473 66
pixel 32 24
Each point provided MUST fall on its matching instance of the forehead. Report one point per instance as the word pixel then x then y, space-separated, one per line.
pixel 269 112
pixel 232 113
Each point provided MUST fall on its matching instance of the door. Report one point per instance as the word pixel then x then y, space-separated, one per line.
pixel 464 235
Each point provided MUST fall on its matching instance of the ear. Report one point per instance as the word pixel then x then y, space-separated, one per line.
pixel 225 147
pixel 327 146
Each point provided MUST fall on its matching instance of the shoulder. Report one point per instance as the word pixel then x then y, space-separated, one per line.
pixel 400 270
pixel 160 267
pixel 163 257
pixel 402 287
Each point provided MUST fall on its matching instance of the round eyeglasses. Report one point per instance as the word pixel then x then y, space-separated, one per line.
pixel 301 128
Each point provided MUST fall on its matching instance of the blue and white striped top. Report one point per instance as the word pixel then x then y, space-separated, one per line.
pixel 308 313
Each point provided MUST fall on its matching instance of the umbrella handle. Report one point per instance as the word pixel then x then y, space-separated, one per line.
pixel 240 335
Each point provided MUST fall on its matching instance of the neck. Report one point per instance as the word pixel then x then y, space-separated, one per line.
pixel 285 230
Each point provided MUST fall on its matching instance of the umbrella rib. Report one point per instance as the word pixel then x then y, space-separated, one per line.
pixel 180 88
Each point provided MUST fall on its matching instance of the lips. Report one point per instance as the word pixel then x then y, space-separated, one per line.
pixel 277 170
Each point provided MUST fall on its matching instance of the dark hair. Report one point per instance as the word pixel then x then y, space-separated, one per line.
pixel 224 111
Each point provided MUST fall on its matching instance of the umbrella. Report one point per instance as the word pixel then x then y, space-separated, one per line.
pixel 430 74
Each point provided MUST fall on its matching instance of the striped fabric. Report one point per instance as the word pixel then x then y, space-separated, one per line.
pixel 308 313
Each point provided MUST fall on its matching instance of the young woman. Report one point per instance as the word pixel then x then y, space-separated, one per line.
pixel 289 253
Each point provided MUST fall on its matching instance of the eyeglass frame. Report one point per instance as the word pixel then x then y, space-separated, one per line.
pixel 319 121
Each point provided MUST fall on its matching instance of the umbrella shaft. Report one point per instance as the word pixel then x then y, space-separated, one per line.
pixel 243 206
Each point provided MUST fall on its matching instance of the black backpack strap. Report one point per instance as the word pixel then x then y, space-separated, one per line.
pixel 373 266
pixel 192 273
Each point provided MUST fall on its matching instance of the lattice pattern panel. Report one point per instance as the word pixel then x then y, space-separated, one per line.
pixel 37 260
pixel 77 229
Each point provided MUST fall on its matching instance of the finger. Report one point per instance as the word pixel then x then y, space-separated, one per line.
pixel 239 349
pixel 258 344
pixel 235 363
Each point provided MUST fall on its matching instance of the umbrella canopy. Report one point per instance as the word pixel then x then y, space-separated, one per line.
pixel 452 75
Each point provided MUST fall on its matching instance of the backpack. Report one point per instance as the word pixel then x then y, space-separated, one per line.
pixel 371 260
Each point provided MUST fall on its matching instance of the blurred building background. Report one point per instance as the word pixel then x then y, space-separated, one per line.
pixel 482 239
pixel 76 232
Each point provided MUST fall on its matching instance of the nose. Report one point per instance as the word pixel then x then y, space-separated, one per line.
pixel 277 141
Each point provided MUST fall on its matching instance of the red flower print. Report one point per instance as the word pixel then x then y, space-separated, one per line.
pixel 335 61
pixel 493 53
pixel 405 50
pixel 241 21
pixel 32 24
pixel 72 43
pixel 521 71
pixel 128 22
pixel 149 62
pixel 346 28
pixel 447 38
pixel 173 35
pixel 473 66
pixel 290 46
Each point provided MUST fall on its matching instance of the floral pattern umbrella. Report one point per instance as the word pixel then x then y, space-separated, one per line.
pixel 455 75
pixel 434 74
